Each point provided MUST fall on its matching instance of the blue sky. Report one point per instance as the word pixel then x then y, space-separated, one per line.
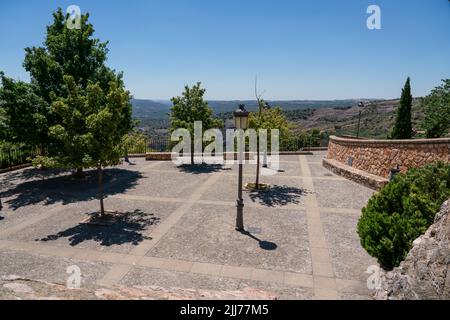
pixel 298 49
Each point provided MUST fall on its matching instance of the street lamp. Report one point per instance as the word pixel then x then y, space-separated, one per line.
pixel 241 124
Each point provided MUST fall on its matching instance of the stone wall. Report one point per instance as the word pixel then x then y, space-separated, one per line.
pixel 378 157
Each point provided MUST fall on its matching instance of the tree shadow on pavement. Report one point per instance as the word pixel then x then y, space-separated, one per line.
pixel 65 189
pixel 127 229
pixel 200 168
pixel 277 196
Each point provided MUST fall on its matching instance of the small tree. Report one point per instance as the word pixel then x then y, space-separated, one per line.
pixel 191 107
pixel 269 118
pixel 437 111
pixel 106 117
pixel 403 126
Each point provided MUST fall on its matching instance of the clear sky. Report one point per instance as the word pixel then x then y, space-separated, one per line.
pixel 318 49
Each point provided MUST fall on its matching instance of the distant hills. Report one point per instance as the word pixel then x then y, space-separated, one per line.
pixel 332 116
pixel 151 109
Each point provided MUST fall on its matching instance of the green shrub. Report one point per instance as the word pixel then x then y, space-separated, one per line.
pixel 402 211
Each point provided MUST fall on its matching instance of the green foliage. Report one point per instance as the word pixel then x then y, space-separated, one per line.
pixel 403 126
pixel 23 116
pixel 93 123
pixel 402 211
pixel 191 107
pixel 270 119
pixel 134 142
pixel 67 52
pixel 437 111
pixel 27 113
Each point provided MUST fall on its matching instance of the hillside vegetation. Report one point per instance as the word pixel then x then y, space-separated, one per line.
pixel 334 117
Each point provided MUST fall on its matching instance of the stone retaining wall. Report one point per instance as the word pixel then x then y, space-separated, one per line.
pixel 378 157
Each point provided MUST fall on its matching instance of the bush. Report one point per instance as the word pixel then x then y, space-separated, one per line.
pixel 402 211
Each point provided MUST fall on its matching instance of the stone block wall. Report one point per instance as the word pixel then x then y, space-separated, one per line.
pixel 378 157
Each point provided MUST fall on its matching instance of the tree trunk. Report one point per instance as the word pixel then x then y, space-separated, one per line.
pixel 126 156
pixel 192 153
pixel 100 189
pixel 78 174
pixel 257 163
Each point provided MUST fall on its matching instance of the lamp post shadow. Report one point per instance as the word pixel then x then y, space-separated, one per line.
pixel 265 245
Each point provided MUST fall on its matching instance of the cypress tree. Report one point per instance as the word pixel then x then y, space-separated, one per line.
pixel 403 127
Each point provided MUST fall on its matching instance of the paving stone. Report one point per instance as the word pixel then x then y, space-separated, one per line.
pixel 267 275
pixel 236 272
pixel 350 260
pixel 323 269
pixel 52 269
pixel 298 280
pixel 206 268
pixel 326 294
pixel 140 276
pixel 341 194
pixel 206 234
pixel 282 291
pixel 325 282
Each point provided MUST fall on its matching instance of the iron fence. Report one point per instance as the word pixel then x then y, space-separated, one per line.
pixel 152 145
pixel 14 156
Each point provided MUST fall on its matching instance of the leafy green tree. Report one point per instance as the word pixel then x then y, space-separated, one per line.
pixel 437 111
pixel 191 107
pixel 105 117
pixel 23 113
pixel 403 126
pixel 68 52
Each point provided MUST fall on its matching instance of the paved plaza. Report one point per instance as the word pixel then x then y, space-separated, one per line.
pixel 179 229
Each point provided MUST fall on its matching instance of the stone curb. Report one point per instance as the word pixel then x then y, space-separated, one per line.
pixel 366 179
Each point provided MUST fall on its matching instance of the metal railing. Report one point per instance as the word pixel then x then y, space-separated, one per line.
pixel 14 156
pixel 152 145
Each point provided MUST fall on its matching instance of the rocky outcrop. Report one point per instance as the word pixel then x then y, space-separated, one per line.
pixel 425 273
pixel 14 287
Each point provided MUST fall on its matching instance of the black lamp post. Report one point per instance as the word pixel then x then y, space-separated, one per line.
pixel 241 124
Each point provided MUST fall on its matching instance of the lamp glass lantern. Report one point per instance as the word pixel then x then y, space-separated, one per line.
pixel 241 118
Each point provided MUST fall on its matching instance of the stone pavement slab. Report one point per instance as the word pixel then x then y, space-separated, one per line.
pixel 206 234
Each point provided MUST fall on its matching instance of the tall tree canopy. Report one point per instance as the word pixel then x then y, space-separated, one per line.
pixel 70 61
pixel 65 52
pixel 71 52
pixel 437 111
pixel 403 126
